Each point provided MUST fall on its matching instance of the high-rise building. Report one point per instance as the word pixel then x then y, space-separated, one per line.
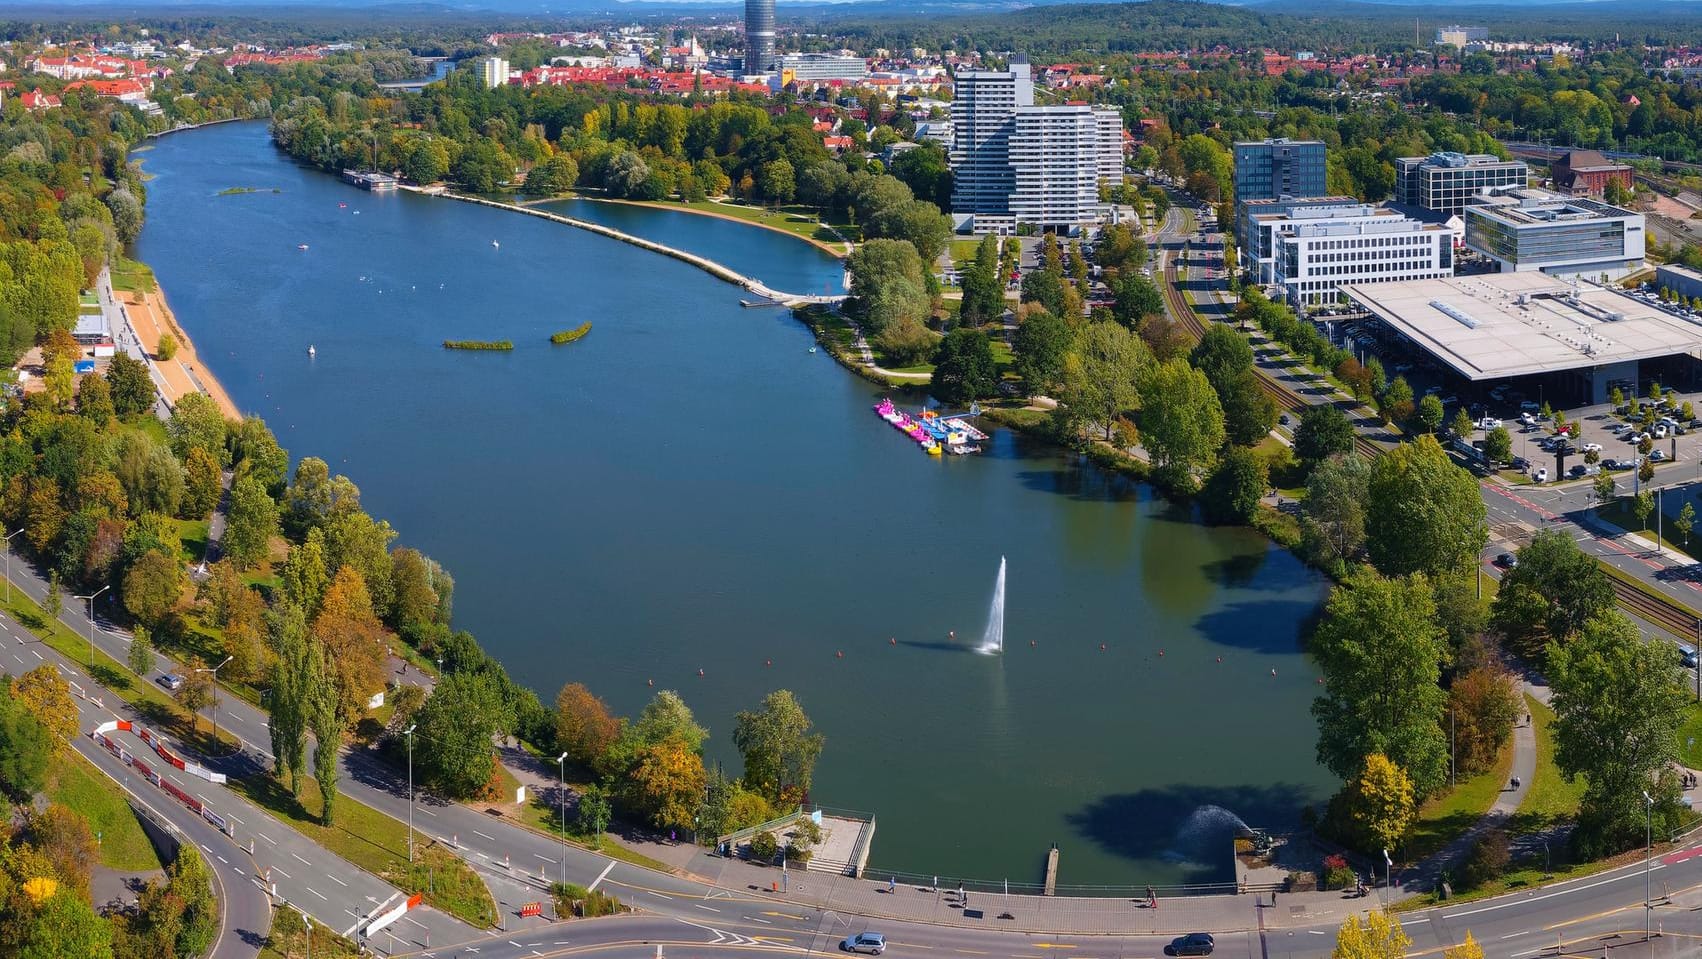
pixel 1014 162
pixel 494 71
pixel 1461 37
pixel 1271 169
pixel 759 36
pixel 1445 182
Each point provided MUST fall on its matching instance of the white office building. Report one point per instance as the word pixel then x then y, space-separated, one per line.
pixel 494 71
pixel 1446 182
pixel 1013 162
pixel 1317 249
pixel 1530 229
pixel 812 67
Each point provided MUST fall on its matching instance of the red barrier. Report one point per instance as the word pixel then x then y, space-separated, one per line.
pixel 531 909
pixel 143 767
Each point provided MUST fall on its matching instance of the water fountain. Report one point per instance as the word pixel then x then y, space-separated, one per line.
pixel 993 640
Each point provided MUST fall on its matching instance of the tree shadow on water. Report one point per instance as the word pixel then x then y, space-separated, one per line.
pixel 1192 824
pixel 1256 626
pixel 1082 481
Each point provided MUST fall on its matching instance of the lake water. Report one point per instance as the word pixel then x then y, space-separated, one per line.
pixel 690 488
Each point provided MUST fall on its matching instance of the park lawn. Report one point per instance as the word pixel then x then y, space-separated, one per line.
pixel 377 843
pixel 192 533
pixel 1450 813
pixel 1619 514
pixel 963 252
pixel 797 220
pixel 1690 738
pixel 75 782
pixel 1551 798
pixel 132 276
pixel 542 816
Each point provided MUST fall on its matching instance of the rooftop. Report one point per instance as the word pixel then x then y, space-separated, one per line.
pixel 1458 160
pixel 1524 207
pixel 1515 324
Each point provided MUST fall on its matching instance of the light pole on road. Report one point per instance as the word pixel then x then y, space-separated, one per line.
pixel 409 732
pixel 1648 856
pixel 561 803
pixel 91 599
pixel 8 543
pixel 215 671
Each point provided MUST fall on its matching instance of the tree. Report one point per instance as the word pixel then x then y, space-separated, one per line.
pixel 415 604
pixel 54 602
pixel 964 369
pixel 1685 522
pixel 1041 344
pixel 584 727
pixel 459 719
pixel 1382 803
pixel 152 587
pixel 1381 651
pixel 196 691
pixel 595 811
pixel 251 524
pixel 63 836
pixel 1605 488
pixel 327 726
pixel 1646 473
pixel 1462 426
pixel 26 747
pixel 1101 376
pixel 166 348
pixel 887 284
pixel 666 783
pixel 1333 512
pixel 1377 936
pixel 1643 504
pixel 1498 445
pixel 126 214
pixel 1233 490
pixel 63 926
pixel 777 182
pixel 1617 706
pixel 1484 705
pixel 1323 432
pixel 1181 419
pixel 131 388
pixel 304 577
pixel 47 695
pixel 1226 359
pixel 983 286
pixel 1427 513
pixel 197 423
pixel 140 657
pixel 202 483
pixel 1136 297
pixel 1430 413
pixel 1467 949
pixel 625 174
pixel 428 162
pixel 94 401
pixel 1552 593
pixel 780 748
pixel 553 177
pixel 295 687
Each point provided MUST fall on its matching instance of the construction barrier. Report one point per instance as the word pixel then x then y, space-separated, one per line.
pixel 391 916
pixel 531 909
pixel 158 745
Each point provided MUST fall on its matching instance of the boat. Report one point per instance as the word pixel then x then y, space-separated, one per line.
pixel 342 206
pixel 311 351
pixel 301 246
pixel 812 349
pixel 496 244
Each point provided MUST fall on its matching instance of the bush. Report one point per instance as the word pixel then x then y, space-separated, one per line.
pixel 1488 859
pixel 764 847
pixel 568 336
pixel 575 900
pixel 167 348
pixel 478 344
pixel 1300 882
pixel 1337 873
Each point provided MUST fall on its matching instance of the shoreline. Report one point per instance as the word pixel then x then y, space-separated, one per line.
pixel 824 246
pixel 200 375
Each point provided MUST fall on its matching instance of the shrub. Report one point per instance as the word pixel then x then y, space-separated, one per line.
pixel 478 344
pixel 1488 859
pixel 575 900
pixel 568 336
pixel 1337 873
pixel 764 846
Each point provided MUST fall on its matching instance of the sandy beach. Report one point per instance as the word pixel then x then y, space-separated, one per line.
pixel 184 373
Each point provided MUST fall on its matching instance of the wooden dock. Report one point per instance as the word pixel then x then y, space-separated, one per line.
pixel 1052 870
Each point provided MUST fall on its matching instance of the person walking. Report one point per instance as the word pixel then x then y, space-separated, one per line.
pixel 891 885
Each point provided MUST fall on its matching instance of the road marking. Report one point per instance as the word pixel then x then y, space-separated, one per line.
pixel 317 893
pixel 784 915
pixel 766 922
pixel 975 952
pixel 1414 922
pixel 221 859
pixel 705 908
pixel 414 921
pixel 544 858
pixel 1314 932
pixel 657 894
pixel 428 812
pixel 515 944
pixel 267 838
pixel 35 653
pixel 1515 935
pixel 282 873
pixel 301 860
pixel 337 881
pixel 600 876
pixel 477 833
pixel 1551 895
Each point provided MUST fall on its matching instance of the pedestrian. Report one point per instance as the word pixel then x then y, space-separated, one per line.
pixel 891 885
pixel 1527 719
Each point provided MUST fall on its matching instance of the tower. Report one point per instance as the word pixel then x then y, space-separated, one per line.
pixel 759 36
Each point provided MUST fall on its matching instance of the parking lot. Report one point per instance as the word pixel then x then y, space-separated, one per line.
pixel 1599 427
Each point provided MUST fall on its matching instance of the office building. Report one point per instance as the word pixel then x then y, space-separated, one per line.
pixel 810 67
pixel 1528 230
pixel 1680 279
pixel 494 71
pixel 759 36
pixel 1271 169
pixel 1013 162
pixel 1461 37
pixel 1318 249
pixel 1257 221
pixel 1587 173
pixel 1445 182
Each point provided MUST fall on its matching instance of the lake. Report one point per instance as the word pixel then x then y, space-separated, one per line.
pixel 689 488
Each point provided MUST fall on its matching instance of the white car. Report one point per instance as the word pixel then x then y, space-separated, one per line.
pixel 1660 431
pixel 1591 447
pixel 1541 475
pixel 1488 423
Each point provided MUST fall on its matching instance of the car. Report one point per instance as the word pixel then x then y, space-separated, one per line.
pixel 1660 431
pixel 1610 464
pixel 1591 447
pixel 872 943
pixel 1488 423
pixel 1577 470
pixel 1507 561
pixel 1529 419
pixel 1282 419
pixel 1529 406
pixel 1657 455
pixel 1193 944
pixel 1541 475
pixel 1450 400
pixel 1519 463
pixel 1687 656
pixel 172 681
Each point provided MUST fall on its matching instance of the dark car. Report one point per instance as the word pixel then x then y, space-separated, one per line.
pixel 1193 944
pixel 1507 561
pixel 1687 656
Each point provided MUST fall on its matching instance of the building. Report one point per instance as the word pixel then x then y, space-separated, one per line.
pixel 1445 182
pixel 1013 162
pixel 759 36
pixel 1679 279
pixel 1315 250
pixel 1527 229
pixel 1257 219
pixel 494 71
pixel 1580 336
pixel 1461 37
pixel 1587 173
pixel 810 67
pixel 1270 169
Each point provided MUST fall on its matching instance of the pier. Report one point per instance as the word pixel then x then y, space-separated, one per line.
pixel 1052 871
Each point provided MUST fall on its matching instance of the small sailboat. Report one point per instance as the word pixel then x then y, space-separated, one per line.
pixel 812 349
pixel 311 351
pixel 342 206
pixel 301 246
pixel 496 244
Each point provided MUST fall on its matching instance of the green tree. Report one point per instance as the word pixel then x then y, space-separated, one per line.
pixel 1430 413
pixel 1484 704
pixel 305 578
pixel 1333 512
pixel 1685 522
pixel 1232 492
pixel 1181 420
pixel 295 688
pixel 459 719
pixel 983 286
pixel 94 400
pixel 202 483
pixel 1643 504
pixel 964 369
pixel 1427 514
pixel 1551 594
pixel 25 747
pixel 1101 377
pixel 197 423
pixel 251 524
pixel 1381 803
pixel 166 349
pixel 1136 298
pixel 131 388
pixel 920 223
pixel 1226 359
pixel 1324 431
pixel 595 812
pixel 1381 652
pixel 780 748
pixel 140 656
pixel 1618 705
pixel 1041 345
pixel 152 587
pixel 1462 425
pixel 54 602
pixel 1498 445
pixel 553 177
pixel 887 284
pixel 777 182
pixel 65 926
pixel 1605 488
pixel 327 726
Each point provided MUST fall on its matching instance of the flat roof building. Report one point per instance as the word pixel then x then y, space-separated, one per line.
pixel 759 36
pixel 494 72
pixel 1680 279
pixel 1316 250
pixel 1461 37
pixel 809 67
pixel 1528 229
pixel 1256 218
pixel 1498 326
pixel 1270 169
pixel 1446 182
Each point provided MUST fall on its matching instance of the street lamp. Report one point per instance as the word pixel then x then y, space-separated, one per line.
pixel 215 671
pixel 409 732
pixel 1648 857
pixel 561 803
pixel 8 547
pixel 91 599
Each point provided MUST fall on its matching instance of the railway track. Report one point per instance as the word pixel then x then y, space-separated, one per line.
pixel 1655 610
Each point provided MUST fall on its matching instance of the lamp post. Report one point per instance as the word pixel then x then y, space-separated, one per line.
pixel 91 599
pixel 9 563
pixel 1388 878
pixel 215 671
pixel 409 732
pixel 1648 857
pixel 561 804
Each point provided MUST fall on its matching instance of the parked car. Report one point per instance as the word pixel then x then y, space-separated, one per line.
pixel 872 943
pixel 1530 406
pixel 1591 447
pixel 1657 456
pixel 1507 561
pixel 1529 419
pixel 1541 475
pixel 171 681
pixel 1193 944
pixel 1488 423
pixel 1610 464
pixel 1687 657
pixel 1519 463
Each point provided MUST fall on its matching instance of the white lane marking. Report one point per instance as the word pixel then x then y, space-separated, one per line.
pixel 282 873
pixel 1314 932
pixel 428 812
pixel 600 876
pixel 317 893
pixel 657 895
pixel 35 653
pixel 1515 935
pixel 1551 895
pixel 515 944
pixel 705 908
pixel 267 838
pixel 763 921
pixel 544 858
pixel 415 922
pixel 477 833
pixel 221 859
pixel 337 881
pixel 1414 922
pixel 300 860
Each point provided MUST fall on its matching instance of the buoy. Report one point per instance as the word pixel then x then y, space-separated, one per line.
pixel 1320 680
pixel 1273 672
pixel 892 641
pixel 1161 652
pixel 700 672
pixel 1032 644
pixel 1220 659
pixel 840 654
pixel 951 634
pixel 768 662
pixel 1102 647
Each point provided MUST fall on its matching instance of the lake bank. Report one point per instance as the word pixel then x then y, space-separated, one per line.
pixel 150 316
pixel 842 251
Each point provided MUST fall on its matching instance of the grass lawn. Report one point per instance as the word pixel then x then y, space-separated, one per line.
pixel 1619 514
pixel 377 843
pixel 1690 738
pixel 797 220
pixel 76 783
pixel 1450 813
pixel 192 533
pixel 540 814
pixel 1551 798
pixel 132 276
pixel 963 252
pixel 289 939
